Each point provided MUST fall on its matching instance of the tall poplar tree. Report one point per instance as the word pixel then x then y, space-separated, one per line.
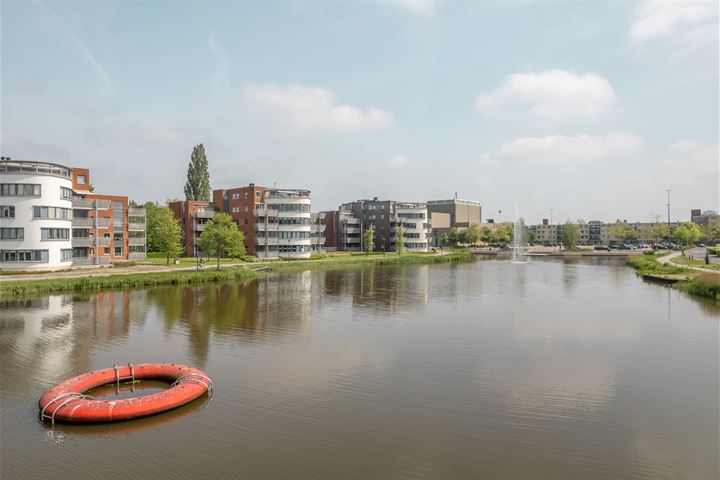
pixel 197 186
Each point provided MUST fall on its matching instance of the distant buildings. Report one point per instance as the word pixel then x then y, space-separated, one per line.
pixel 344 227
pixel 52 219
pixel 704 217
pixel 275 222
pixel 453 213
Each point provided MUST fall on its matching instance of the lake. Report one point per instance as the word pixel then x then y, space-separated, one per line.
pixel 558 369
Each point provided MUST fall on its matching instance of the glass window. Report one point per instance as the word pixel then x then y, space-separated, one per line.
pixel 19 189
pixel 7 211
pixel 81 179
pixel 54 233
pixel 67 254
pixel 12 233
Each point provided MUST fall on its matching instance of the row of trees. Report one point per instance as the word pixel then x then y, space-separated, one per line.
pixel 684 234
pixel 221 236
pixel 503 233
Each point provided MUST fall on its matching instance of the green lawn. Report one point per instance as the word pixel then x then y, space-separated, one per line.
pixel 683 260
pixel 189 261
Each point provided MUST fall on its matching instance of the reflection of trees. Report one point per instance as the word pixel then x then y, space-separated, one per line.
pixel 381 288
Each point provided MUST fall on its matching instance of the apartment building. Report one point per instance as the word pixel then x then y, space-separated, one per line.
pixel 704 217
pixel 192 215
pixel 52 219
pixel 384 217
pixel 275 222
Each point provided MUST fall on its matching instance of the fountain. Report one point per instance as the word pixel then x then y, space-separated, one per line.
pixel 518 246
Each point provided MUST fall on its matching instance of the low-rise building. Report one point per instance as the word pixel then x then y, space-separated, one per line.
pixel 52 219
pixel 452 213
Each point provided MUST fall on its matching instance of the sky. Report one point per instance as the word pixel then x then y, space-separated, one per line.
pixel 592 109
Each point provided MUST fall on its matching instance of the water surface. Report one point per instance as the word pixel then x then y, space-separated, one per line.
pixel 553 369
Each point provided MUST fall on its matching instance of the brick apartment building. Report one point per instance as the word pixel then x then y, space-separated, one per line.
pixel 344 227
pixel 275 222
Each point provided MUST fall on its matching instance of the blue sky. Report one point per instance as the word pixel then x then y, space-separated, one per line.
pixel 590 108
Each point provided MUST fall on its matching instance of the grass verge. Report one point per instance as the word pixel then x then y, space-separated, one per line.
pixel 695 283
pixel 683 260
pixel 140 280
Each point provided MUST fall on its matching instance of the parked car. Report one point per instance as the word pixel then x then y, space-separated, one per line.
pixel 602 247
pixel 624 246
pixel 658 246
pixel 701 245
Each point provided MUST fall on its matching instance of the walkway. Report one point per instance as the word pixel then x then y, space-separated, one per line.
pixel 666 260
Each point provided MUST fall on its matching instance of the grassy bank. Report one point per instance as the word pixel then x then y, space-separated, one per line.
pixel 704 285
pixel 229 274
pixel 690 281
pixel 683 260
pixel 120 282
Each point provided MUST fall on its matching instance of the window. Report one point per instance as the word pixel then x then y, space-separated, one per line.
pixel 7 211
pixel 246 208
pixel 20 190
pixel 67 254
pixel 246 222
pixel 106 250
pixel 24 256
pixel 235 196
pixel 12 233
pixel 257 194
pixel 118 251
pixel 81 179
pixel 52 212
pixel 54 234
pixel 66 193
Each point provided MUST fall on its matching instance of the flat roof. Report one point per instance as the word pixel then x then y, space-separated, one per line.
pixel 453 201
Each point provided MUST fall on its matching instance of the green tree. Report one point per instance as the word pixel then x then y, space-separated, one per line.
pixel 445 239
pixel 222 237
pixel 400 239
pixel 473 234
pixel 368 240
pixel 166 233
pixel 654 232
pixel 687 233
pixel 571 235
pixel 486 235
pixel 455 236
pixel 504 233
pixel 197 186
pixel 151 212
pixel 622 231
pixel 532 236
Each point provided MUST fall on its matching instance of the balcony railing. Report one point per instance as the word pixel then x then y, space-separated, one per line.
pixel 263 211
pixel 204 214
pixel 90 222
pixel 136 212
pixel 136 227
pixel 88 204
pixel 137 255
pixel 199 227
pixel 135 242
pixel 90 242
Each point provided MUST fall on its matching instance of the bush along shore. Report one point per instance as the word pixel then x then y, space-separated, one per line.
pixel 31 287
pixel 685 279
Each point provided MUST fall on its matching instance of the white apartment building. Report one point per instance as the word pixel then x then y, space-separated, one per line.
pixel 415 226
pixel 35 215
pixel 283 224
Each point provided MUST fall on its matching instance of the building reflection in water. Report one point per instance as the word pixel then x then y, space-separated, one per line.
pixel 54 337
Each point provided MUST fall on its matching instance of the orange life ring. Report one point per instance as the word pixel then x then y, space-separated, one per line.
pixel 67 402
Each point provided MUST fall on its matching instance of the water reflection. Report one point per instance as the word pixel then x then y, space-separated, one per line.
pixel 556 369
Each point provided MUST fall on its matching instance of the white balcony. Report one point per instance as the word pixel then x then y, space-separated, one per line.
pixel 136 242
pixel 89 204
pixel 204 214
pixel 136 212
pixel 136 227
pixel 137 256
pixel 90 222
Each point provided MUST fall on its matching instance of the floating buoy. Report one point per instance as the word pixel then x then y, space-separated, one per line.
pixel 67 402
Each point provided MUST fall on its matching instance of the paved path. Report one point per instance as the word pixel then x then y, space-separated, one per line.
pixel 698 253
pixel 110 271
pixel 666 259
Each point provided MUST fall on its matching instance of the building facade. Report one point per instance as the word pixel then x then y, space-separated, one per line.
pixel 704 217
pixel 385 218
pixel 452 213
pixel 52 220
pixel 276 223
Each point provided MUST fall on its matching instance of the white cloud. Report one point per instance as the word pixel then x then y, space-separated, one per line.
pixel 561 149
pixel 221 75
pixel 314 110
pixel 693 22
pixel 397 162
pixel 551 94
pixel 692 161
pixel 420 7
